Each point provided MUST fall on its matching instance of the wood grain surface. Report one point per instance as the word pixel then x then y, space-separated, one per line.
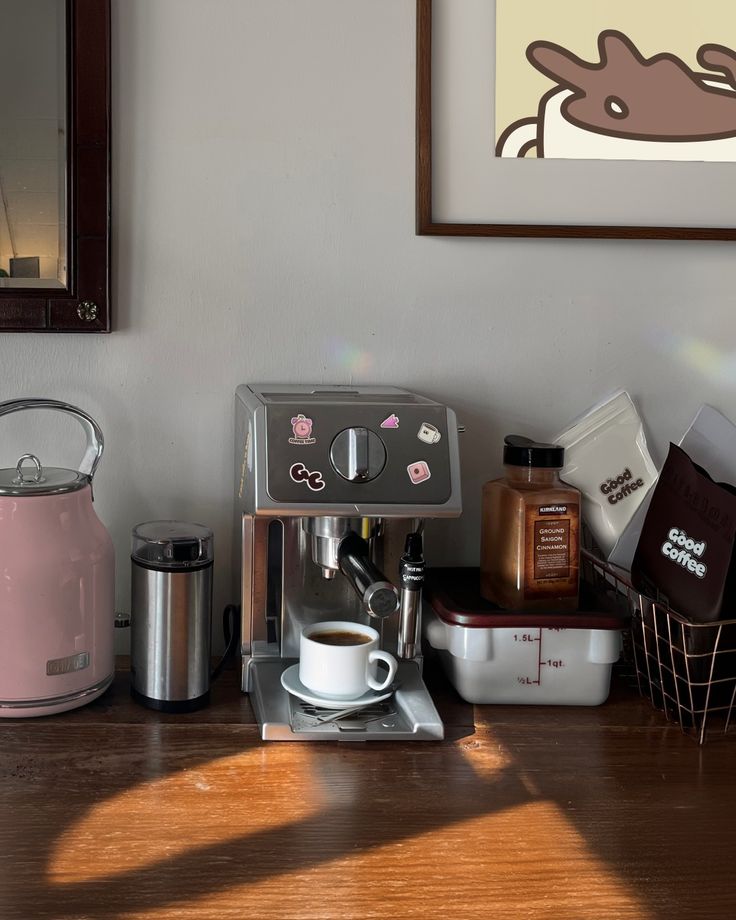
pixel 114 811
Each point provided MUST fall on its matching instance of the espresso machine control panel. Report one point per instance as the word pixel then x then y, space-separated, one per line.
pixel 374 450
pixel 348 457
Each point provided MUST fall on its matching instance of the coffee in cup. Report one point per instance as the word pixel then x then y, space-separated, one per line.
pixel 340 637
pixel 339 660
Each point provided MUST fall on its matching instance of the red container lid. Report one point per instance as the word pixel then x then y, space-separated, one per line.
pixel 454 595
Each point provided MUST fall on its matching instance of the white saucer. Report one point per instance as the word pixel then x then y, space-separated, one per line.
pixel 290 681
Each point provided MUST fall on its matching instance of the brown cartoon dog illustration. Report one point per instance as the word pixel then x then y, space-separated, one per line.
pixel 628 106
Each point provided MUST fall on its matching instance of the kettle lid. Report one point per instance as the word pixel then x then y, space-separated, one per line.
pixel 28 477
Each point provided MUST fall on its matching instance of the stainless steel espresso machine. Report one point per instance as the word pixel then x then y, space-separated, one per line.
pixel 332 487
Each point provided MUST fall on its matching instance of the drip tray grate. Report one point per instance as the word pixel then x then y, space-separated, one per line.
pixel 306 716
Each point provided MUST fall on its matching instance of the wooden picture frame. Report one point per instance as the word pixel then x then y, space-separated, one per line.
pixel 429 223
pixel 84 304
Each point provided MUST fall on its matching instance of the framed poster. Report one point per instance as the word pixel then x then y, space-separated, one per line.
pixel 577 119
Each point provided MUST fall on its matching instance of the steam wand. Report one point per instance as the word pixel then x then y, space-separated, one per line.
pixel 380 598
pixel 411 579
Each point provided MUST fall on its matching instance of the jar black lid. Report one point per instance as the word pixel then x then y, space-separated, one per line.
pixel 520 451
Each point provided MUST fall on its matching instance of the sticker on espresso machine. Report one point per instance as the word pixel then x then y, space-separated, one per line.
pixel 299 473
pixel 302 428
pixel 428 433
pixel 419 472
pixel 56 666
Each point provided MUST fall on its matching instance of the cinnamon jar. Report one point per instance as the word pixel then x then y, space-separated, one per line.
pixel 530 531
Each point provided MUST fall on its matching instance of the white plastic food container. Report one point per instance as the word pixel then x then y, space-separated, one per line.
pixel 497 656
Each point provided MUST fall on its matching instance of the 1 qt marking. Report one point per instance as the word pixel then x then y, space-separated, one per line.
pixel 537 662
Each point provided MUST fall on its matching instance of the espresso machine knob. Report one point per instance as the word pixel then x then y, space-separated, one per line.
pixel 358 454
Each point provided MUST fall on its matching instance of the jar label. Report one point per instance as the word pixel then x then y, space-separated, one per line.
pixel 552 551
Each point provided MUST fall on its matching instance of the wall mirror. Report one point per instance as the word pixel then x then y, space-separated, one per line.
pixel 55 166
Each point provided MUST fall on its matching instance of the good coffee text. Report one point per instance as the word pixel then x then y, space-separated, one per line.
pixel 688 554
pixel 619 487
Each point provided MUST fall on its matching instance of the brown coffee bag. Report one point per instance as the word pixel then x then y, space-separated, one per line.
pixel 686 548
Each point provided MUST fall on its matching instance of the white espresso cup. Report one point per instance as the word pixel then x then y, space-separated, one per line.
pixel 339 660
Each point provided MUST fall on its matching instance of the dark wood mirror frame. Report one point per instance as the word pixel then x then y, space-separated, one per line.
pixel 84 305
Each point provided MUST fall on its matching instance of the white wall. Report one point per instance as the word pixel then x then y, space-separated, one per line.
pixel 264 230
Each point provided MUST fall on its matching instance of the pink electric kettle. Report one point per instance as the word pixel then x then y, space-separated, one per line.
pixel 57 574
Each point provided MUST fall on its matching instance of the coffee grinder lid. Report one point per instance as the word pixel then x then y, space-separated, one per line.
pixel 172 545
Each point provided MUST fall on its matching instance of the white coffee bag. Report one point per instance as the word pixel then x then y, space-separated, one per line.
pixel 607 458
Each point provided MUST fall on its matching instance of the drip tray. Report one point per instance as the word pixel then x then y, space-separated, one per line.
pixel 408 715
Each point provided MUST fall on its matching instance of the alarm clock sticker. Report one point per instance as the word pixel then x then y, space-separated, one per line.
pixel 302 428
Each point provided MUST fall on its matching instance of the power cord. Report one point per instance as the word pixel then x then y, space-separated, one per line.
pixel 231 631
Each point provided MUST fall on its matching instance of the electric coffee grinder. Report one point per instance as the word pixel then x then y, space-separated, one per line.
pixel 332 488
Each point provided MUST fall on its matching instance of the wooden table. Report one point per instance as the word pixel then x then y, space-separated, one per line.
pixel 114 811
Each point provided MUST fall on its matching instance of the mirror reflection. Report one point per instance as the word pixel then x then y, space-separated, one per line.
pixel 33 144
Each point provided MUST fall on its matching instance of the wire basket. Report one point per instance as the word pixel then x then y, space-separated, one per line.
pixel 686 669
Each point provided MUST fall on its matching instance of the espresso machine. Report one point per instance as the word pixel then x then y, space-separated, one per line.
pixel 332 488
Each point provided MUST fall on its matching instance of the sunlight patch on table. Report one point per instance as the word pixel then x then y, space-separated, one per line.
pixel 528 861
pixel 156 821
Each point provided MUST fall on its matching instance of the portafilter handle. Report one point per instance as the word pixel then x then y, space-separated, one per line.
pixel 380 598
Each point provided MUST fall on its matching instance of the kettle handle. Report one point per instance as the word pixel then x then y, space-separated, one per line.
pixel 95 440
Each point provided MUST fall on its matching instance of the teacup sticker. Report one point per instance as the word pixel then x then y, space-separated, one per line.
pixel 659 87
pixel 428 433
